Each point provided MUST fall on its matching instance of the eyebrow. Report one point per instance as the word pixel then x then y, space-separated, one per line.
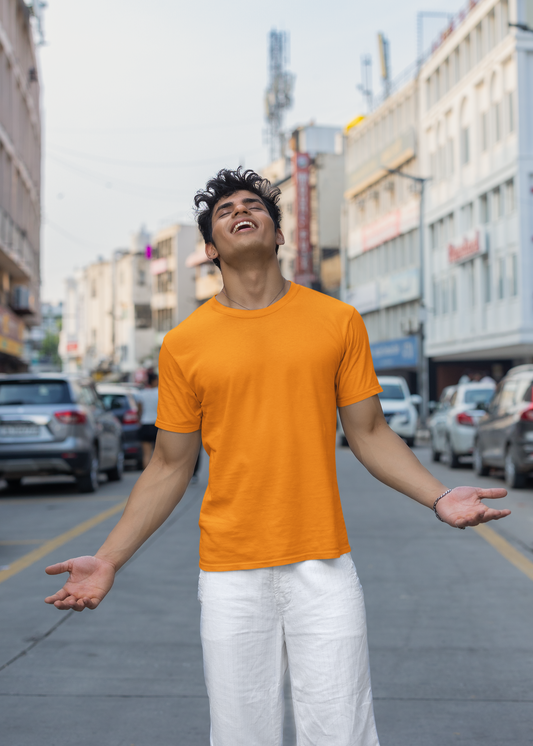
pixel 246 201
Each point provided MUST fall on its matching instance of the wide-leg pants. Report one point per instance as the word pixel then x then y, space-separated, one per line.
pixel 309 616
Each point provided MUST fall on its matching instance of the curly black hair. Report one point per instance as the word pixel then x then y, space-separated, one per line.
pixel 226 183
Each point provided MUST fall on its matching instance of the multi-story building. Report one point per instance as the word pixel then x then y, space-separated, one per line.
pixel 20 183
pixel 134 339
pixel 477 145
pixel 311 184
pixel 381 231
pixel 107 319
pixel 173 280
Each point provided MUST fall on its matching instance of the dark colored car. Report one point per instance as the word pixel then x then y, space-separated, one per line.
pixel 122 403
pixel 52 424
pixel 504 438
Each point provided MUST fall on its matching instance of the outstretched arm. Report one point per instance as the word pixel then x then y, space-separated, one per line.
pixel 390 460
pixel 155 495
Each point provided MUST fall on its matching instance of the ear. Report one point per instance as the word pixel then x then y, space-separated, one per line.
pixel 280 238
pixel 210 251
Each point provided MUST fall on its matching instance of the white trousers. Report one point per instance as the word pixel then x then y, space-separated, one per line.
pixel 309 616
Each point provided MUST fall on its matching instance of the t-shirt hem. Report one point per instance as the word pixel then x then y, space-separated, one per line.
pixel 360 396
pixel 177 428
pixel 318 554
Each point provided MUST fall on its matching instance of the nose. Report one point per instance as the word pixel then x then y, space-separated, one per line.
pixel 239 208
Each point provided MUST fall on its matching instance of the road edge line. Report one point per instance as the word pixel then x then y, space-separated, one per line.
pixel 506 549
pixel 28 559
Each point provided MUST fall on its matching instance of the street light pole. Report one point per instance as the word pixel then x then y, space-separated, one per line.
pixel 423 373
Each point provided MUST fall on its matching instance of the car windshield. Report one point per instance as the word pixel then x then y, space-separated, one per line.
pixel 391 391
pixel 115 401
pixel 34 392
pixel 478 396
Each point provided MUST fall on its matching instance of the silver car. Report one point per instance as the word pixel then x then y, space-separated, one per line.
pixel 53 424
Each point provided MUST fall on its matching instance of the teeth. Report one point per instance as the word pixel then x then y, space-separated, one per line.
pixel 243 222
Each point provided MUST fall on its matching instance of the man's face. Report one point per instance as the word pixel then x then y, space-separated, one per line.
pixel 242 230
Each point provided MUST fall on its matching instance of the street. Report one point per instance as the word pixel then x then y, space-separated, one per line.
pixel 449 617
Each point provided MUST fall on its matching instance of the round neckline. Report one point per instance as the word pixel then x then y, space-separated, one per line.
pixel 255 313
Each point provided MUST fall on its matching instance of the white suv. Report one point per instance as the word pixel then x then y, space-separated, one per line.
pixel 399 407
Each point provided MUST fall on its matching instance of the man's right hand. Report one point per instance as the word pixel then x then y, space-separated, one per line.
pixel 90 580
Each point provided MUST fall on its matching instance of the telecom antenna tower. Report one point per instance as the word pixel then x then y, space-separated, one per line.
pixel 278 96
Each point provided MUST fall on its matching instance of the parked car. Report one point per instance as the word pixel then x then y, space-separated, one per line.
pixel 121 401
pixel 437 422
pixel 52 424
pixel 455 437
pixel 399 407
pixel 504 438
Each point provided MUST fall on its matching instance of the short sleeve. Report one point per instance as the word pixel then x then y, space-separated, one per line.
pixel 178 408
pixel 356 379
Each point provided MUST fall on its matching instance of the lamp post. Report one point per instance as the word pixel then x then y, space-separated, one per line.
pixel 423 374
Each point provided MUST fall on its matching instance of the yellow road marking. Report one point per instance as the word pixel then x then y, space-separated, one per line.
pixel 49 546
pixel 502 546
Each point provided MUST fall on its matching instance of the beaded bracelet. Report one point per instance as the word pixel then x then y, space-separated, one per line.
pixel 435 508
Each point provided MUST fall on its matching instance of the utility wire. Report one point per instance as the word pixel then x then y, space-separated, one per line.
pixel 144 164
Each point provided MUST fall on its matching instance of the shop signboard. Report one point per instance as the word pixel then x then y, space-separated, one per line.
pixel 393 224
pixel 395 353
pixel 469 247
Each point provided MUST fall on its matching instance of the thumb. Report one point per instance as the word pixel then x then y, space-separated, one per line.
pixel 58 568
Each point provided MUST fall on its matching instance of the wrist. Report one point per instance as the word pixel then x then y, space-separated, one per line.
pixel 440 497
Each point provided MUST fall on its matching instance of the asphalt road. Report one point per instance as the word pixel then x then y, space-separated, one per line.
pixel 449 615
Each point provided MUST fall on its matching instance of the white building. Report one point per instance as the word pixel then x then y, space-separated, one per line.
pixel 107 324
pixel 173 280
pixel 477 145
pixel 380 230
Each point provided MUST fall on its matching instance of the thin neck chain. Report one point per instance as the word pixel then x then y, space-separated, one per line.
pixel 252 309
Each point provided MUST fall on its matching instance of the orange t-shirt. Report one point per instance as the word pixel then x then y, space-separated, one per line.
pixel 263 386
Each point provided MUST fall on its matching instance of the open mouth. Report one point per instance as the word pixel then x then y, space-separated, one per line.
pixel 244 225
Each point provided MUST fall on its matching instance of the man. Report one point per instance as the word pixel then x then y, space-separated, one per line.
pixel 147 399
pixel 261 369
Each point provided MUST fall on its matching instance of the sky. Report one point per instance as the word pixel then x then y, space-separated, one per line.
pixel 142 102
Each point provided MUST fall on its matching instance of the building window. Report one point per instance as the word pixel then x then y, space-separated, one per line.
pixel 451 165
pixel 444 287
pixel 436 304
pixel 456 65
pixel 454 294
pixel 501 278
pixel 491 29
pixel 510 111
pixel 467 217
pixel 479 42
pixel 486 279
pixel 141 277
pixel 484 131
pixel 497 121
pixel 465 146
pixel 496 203
pixel 509 197
pixel 513 278
pixel 484 209
pixel 471 282
pixel 504 18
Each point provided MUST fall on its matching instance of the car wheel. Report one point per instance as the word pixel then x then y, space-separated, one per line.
pixel 88 482
pixel 115 474
pixel 14 484
pixel 479 465
pixel 410 442
pixel 452 457
pixel 435 455
pixel 513 478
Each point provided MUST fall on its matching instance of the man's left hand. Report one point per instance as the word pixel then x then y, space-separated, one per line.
pixel 463 507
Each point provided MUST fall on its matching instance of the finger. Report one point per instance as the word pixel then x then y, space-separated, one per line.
pixel 494 493
pixel 495 515
pixel 58 568
pixel 91 603
pixel 59 596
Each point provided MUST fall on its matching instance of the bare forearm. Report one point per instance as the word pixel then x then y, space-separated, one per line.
pixel 155 495
pixel 390 460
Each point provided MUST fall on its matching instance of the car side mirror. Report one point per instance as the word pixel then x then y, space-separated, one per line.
pixel 416 398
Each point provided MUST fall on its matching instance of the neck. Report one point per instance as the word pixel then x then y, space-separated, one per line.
pixel 252 289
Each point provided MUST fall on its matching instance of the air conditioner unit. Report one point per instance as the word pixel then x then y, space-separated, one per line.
pixel 21 300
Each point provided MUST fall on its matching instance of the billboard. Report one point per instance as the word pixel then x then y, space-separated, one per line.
pixel 303 274
pixel 396 353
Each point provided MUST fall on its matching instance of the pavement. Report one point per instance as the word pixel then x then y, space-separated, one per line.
pixel 449 616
